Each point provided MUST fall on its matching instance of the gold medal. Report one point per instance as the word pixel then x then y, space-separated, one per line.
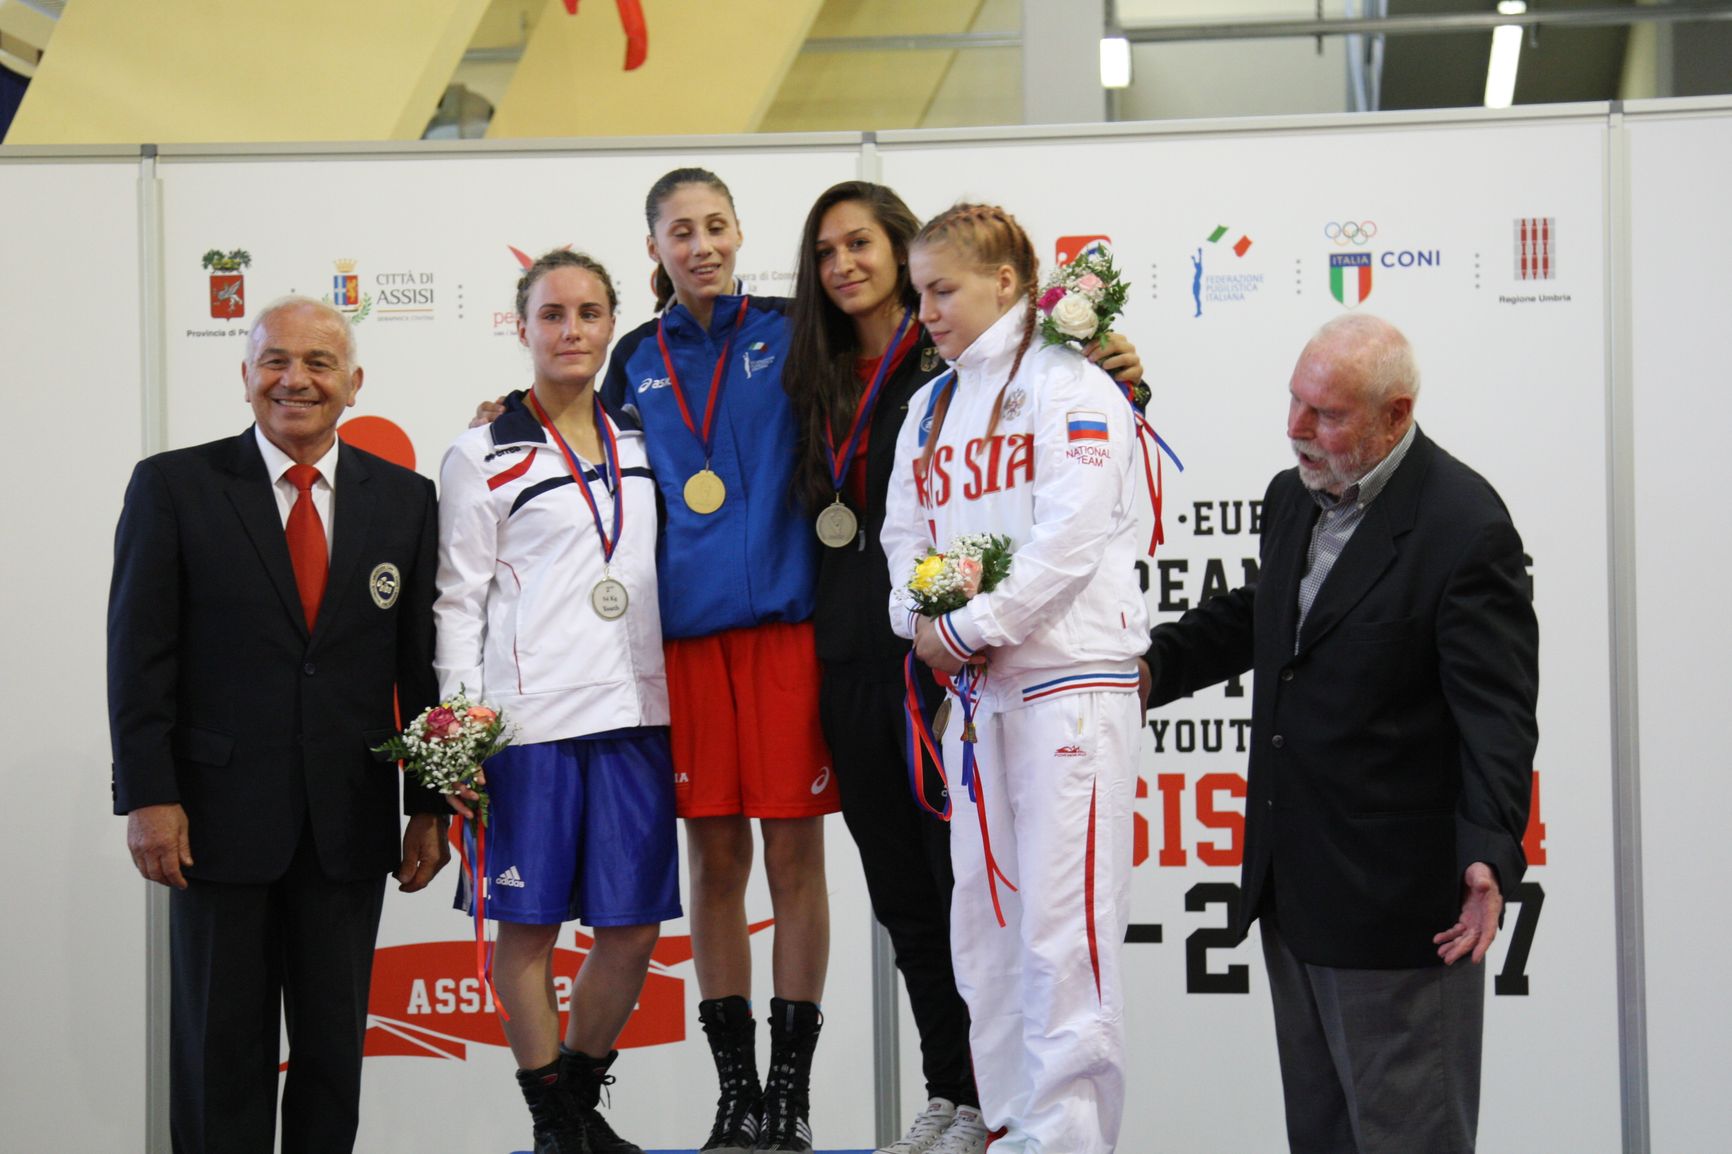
pixel 609 599
pixel 705 492
pixel 837 525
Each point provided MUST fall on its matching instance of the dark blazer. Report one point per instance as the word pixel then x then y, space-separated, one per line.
pixel 1395 748
pixel 217 696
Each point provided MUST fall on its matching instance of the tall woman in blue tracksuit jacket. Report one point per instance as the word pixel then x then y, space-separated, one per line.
pixel 737 563
pixel 854 310
pixel 547 610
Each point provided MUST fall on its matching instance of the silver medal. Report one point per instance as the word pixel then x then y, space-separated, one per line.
pixel 609 599
pixel 837 525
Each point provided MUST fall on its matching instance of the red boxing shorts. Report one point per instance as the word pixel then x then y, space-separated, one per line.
pixel 745 728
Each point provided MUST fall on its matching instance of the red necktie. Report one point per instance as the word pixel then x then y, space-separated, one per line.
pixel 306 534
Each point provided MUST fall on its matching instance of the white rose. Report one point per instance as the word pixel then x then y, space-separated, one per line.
pixel 1074 316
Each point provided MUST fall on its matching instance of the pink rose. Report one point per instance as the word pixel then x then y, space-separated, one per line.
pixel 1050 297
pixel 482 714
pixel 441 722
pixel 968 568
pixel 1089 283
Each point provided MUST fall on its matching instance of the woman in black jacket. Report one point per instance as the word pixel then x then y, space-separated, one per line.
pixel 856 356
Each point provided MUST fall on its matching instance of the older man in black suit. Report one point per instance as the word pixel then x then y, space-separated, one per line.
pixel 271 591
pixel 1395 653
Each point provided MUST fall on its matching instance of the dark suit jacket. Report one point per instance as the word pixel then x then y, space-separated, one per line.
pixel 220 700
pixel 1395 748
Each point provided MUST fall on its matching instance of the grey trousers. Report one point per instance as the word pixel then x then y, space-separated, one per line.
pixel 1376 1061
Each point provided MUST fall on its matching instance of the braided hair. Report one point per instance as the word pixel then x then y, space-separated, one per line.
pixel 562 258
pixel 990 237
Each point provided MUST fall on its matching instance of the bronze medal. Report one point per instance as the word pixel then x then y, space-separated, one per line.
pixel 609 599
pixel 837 526
pixel 941 719
pixel 705 492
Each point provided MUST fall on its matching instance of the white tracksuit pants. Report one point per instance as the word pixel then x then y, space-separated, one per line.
pixel 1044 991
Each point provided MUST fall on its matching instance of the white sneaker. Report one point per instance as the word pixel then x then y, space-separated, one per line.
pixel 966 1134
pixel 928 1128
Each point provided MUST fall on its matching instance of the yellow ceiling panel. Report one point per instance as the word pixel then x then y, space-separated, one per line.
pixel 121 71
pixel 712 68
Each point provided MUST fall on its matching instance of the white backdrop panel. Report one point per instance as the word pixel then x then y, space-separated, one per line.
pixel 1680 169
pixel 73 1021
pixel 444 229
pixel 1229 241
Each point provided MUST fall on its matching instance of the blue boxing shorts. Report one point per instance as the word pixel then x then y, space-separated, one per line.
pixel 581 829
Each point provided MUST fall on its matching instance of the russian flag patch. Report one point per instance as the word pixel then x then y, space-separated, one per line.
pixel 1086 425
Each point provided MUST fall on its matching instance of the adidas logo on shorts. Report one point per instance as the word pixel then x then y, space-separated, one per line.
pixel 509 878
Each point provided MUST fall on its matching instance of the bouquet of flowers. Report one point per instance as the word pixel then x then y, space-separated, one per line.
pixel 1080 301
pixel 974 563
pixel 444 747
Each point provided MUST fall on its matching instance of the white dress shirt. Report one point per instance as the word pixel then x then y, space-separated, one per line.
pixel 277 465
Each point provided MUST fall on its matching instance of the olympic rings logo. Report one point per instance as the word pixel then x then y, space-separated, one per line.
pixel 1350 232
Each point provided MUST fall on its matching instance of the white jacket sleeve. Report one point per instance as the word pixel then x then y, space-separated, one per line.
pixel 468 555
pixel 906 535
pixel 1080 497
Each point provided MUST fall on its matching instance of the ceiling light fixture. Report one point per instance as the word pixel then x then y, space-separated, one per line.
pixel 1115 62
pixel 1506 51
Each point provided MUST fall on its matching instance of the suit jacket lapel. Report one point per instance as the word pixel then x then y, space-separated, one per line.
pixel 1286 566
pixel 353 510
pixel 254 500
pixel 1374 544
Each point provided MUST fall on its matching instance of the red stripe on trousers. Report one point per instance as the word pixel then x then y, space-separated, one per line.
pixel 1089 894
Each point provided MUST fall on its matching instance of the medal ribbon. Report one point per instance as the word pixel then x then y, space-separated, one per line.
pixel 922 744
pixel 1151 474
pixel 716 380
pixel 610 455
pixel 475 872
pixel 967 689
pixel 840 460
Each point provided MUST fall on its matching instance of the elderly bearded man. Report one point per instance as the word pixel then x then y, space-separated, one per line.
pixel 1395 653
pixel 270 592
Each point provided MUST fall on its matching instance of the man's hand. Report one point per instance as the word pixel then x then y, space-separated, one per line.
pixel 425 851
pixel 487 412
pixel 1481 903
pixel 931 650
pixel 156 839
pixel 1145 684
pixel 1118 357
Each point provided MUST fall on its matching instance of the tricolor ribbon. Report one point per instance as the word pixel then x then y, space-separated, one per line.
pixel 475 870
pixel 612 481
pixel 967 689
pixel 841 459
pixel 717 379
pixel 922 743
pixel 1151 473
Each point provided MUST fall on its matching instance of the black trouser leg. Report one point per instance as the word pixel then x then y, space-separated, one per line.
pixel 224 1019
pixel 905 854
pixel 329 928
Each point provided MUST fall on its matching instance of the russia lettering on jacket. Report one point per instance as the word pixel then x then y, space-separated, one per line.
pixel 989 465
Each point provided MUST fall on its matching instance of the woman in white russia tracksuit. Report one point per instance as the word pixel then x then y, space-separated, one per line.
pixel 548 611
pixel 1035 444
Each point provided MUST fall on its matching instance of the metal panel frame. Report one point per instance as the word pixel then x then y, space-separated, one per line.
pixel 1619 456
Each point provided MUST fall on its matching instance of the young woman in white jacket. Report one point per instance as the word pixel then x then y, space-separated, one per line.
pixel 547 611
pixel 1036 444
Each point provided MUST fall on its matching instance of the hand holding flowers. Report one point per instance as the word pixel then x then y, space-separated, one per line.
pixel 444 747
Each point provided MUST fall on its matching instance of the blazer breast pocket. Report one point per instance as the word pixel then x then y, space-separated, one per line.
pixel 1404 629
